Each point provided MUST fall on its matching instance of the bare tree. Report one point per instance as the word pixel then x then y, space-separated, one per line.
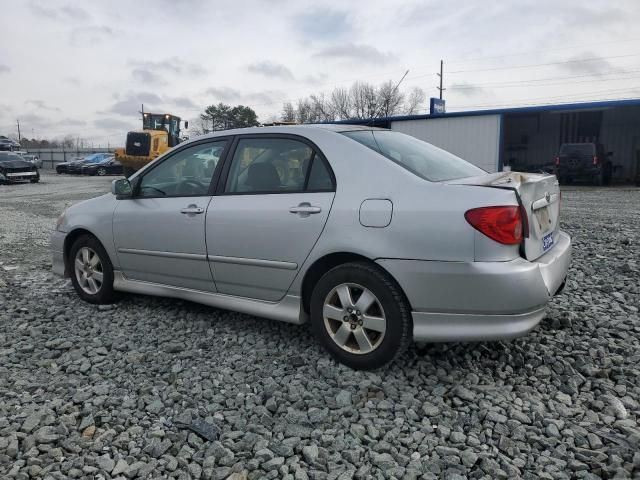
pixel 415 101
pixel 361 101
pixel 341 101
pixel 288 113
pixel 322 108
pixel 389 99
pixel 304 111
pixel 68 141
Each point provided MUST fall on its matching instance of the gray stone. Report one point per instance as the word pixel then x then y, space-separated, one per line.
pixel 343 399
pixel 106 463
pixel 310 453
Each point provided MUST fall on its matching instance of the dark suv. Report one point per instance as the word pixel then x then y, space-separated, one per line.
pixel 584 161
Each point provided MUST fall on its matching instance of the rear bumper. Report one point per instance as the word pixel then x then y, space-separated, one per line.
pixel 566 171
pixel 56 239
pixel 464 301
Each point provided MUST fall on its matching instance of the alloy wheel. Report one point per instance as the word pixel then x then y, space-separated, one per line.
pixel 88 269
pixel 354 318
pixel 102 172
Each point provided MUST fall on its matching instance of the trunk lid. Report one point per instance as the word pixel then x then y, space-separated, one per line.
pixel 539 195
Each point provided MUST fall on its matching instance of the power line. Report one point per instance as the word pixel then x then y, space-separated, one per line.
pixel 535 80
pixel 514 67
pixel 528 84
pixel 472 59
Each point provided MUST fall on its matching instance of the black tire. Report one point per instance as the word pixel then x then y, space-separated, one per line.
pixel 607 173
pixel 35 180
pixel 397 312
pixel 101 172
pixel 598 179
pixel 105 294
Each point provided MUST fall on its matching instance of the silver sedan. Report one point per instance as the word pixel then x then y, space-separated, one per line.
pixel 373 237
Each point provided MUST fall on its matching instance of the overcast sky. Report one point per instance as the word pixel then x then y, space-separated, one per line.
pixel 84 67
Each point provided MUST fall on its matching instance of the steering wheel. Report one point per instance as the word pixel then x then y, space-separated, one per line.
pixel 192 186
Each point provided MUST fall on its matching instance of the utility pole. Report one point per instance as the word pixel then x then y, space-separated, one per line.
pixel 440 75
pixel 18 123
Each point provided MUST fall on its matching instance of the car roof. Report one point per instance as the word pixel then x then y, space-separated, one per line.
pixel 291 129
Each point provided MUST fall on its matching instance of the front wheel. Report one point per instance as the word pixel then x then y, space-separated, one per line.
pixel 91 270
pixel 360 316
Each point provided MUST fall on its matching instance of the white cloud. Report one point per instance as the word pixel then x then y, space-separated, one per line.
pixel 101 62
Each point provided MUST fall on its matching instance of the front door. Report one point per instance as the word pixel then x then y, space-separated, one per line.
pixel 260 229
pixel 159 234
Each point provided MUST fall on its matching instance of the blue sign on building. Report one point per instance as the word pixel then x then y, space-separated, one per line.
pixel 436 106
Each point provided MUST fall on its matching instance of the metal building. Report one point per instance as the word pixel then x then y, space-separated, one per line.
pixel 528 138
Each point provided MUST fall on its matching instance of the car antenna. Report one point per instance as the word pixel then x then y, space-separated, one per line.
pixel 375 114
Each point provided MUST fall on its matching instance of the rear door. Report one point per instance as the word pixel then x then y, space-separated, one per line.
pixel 273 201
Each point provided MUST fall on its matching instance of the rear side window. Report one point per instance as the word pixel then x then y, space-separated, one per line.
pixel 421 158
pixel 276 165
pixel 319 176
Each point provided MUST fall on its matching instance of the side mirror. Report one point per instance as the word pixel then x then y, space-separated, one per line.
pixel 121 188
pixel 186 124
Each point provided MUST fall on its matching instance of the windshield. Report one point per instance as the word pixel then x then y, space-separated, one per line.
pixel 9 157
pixel 152 121
pixel 421 158
pixel 577 149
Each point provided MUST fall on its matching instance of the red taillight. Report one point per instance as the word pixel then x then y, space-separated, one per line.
pixel 557 161
pixel 502 224
pixel 595 160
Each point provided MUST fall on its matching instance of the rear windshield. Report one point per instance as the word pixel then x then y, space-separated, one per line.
pixel 421 158
pixel 577 149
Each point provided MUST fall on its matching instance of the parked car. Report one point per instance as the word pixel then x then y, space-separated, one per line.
pixel 75 166
pixel 29 157
pixel 34 159
pixel 372 236
pixel 13 168
pixel 8 145
pixel 584 162
pixel 109 166
pixel 96 158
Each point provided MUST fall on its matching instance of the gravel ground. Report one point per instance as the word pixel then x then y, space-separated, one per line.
pixel 106 392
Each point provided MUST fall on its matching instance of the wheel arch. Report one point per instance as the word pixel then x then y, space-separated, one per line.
pixel 70 238
pixel 327 262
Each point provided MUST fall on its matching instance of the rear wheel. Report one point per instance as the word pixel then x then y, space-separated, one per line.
pixel 607 173
pixel 598 179
pixel 35 180
pixel 360 316
pixel 91 270
pixel 102 171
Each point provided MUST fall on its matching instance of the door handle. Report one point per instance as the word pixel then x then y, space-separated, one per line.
pixel 305 209
pixel 192 210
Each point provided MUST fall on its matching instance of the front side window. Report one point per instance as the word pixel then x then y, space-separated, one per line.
pixel 269 165
pixel 186 173
pixel 421 158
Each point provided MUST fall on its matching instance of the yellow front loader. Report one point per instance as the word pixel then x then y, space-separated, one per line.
pixel 160 132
